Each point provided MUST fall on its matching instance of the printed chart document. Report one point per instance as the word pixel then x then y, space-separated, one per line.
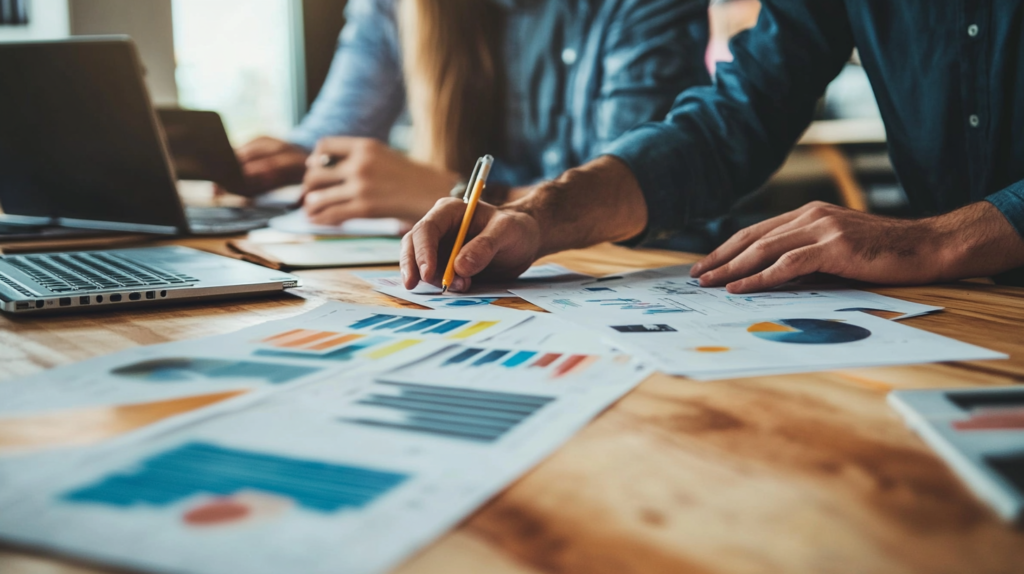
pixel 671 291
pixel 70 405
pixel 341 475
pixel 663 315
pixel 427 295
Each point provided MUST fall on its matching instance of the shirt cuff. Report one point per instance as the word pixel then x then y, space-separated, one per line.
pixel 1010 202
pixel 656 153
pixel 303 138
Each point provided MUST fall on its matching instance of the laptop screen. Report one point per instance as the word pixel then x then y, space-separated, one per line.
pixel 79 140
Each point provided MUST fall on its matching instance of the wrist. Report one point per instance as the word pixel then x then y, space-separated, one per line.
pixel 975 241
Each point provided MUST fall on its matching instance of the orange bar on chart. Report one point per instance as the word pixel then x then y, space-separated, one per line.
pixel 572 364
pixel 546 360
pixel 331 343
pixel 284 335
pixel 993 419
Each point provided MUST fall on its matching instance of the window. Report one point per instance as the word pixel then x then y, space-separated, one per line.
pixel 239 58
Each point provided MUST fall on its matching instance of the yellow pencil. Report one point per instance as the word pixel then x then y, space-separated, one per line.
pixel 474 190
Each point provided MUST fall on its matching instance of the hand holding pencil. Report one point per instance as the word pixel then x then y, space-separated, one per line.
pixel 504 241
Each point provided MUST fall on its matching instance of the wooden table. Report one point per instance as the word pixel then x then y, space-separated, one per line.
pixel 796 473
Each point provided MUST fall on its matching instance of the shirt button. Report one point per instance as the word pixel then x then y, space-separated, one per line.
pixel 569 56
pixel 552 157
pixel 974 120
pixel 972 30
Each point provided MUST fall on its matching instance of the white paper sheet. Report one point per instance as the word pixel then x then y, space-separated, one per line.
pixel 390 283
pixel 335 476
pixel 333 340
pixel 662 314
pixel 297 222
pixel 671 291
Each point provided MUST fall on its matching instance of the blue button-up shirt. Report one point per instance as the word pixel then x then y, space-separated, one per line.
pixel 580 74
pixel 948 76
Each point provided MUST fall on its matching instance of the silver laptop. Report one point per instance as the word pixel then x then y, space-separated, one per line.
pixel 81 145
pixel 49 282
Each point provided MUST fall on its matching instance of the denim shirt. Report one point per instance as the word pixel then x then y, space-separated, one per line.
pixel 948 76
pixel 580 73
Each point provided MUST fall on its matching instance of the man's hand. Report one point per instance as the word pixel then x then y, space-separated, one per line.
pixel 821 238
pixel 600 201
pixel 366 178
pixel 269 163
pixel 504 242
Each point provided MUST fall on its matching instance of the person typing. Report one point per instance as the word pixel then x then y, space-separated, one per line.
pixel 949 79
pixel 544 85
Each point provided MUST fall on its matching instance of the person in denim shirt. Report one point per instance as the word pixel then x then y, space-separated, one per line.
pixel 949 80
pixel 574 76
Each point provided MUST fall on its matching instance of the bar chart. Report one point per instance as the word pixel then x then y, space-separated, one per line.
pixel 468 414
pixel 202 468
pixel 185 369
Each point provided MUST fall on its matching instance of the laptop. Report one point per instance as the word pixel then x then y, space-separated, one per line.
pixel 81 145
pixel 48 282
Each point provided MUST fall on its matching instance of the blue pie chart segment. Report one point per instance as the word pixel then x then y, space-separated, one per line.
pixel 808 331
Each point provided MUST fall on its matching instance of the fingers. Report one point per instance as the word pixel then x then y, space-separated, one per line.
pixel 760 255
pixel 340 212
pixel 318 201
pixel 791 265
pixel 273 171
pixel 339 147
pixel 744 237
pixel 261 147
pixel 420 249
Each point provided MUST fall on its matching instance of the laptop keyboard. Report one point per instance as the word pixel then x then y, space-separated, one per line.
pixel 69 272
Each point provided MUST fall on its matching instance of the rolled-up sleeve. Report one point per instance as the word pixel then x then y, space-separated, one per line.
pixel 364 92
pixel 1010 201
pixel 720 142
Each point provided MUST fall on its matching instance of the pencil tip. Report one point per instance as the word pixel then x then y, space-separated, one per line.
pixel 444 289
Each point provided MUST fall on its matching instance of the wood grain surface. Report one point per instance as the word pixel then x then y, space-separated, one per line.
pixel 796 473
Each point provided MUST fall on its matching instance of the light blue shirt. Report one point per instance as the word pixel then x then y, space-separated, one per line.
pixel 580 73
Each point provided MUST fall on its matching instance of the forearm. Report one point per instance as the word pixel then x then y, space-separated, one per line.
pixel 598 202
pixel 977 241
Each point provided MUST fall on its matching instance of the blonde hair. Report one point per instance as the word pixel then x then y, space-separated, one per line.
pixel 455 79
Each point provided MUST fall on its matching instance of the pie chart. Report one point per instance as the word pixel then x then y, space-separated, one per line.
pixel 808 331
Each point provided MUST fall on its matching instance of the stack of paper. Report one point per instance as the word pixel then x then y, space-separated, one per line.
pixel 341 441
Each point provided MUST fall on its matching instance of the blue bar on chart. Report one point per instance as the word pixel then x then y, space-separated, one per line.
pixel 371 321
pixel 397 323
pixel 483 416
pixel 200 468
pixel 424 324
pixel 462 357
pixel 447 327
pixel 518 359
pixel 489 358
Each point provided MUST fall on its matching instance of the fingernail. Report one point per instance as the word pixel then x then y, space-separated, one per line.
pixel 405 275
pixel 459 284
pixel 423 272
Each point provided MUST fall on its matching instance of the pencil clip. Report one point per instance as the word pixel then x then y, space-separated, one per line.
pixel 472 180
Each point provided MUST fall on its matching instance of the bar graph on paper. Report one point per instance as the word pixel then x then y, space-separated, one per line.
pixel 213 485
pixel 452 412
pixel 374 337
